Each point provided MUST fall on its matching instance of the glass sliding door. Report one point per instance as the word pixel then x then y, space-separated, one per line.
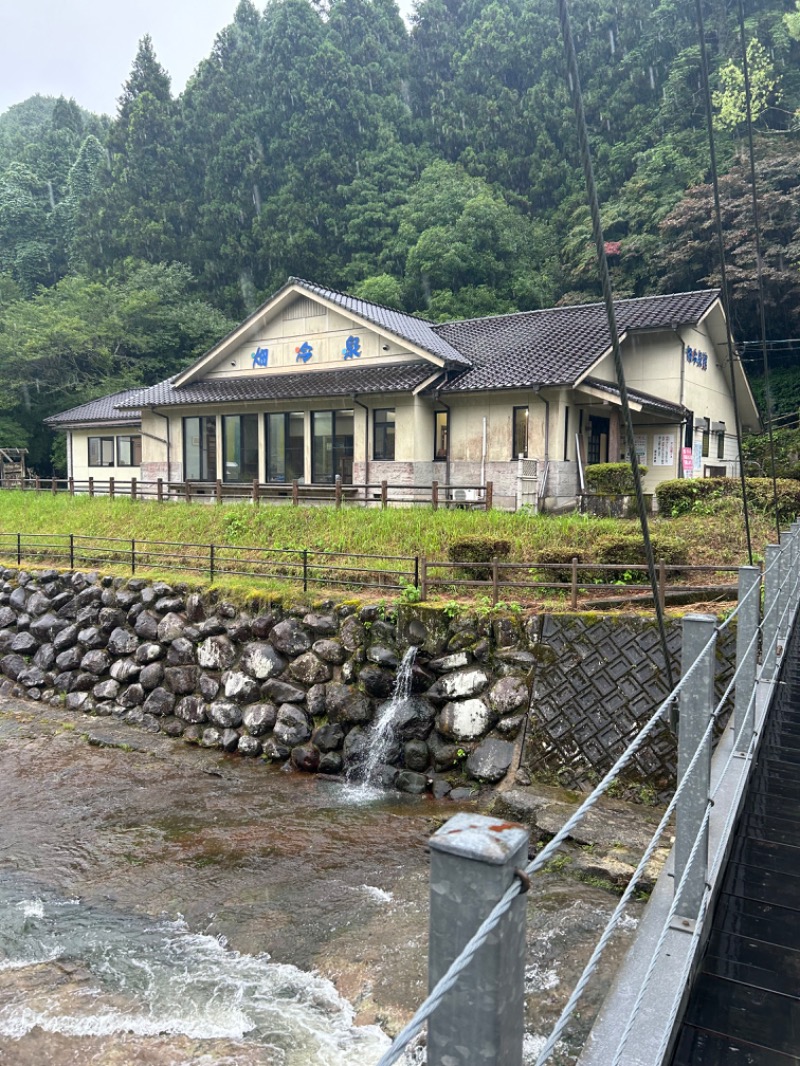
pixel 332 446
pixel 200 448
pixel 240 447
pixel 285 434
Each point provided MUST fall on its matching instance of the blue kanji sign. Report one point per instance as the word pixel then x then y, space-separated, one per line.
pixel 260 357
pixel 697 358
pixel 304 352
pixel 352 348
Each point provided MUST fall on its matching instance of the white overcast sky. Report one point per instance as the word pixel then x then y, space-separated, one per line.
pixel 85 48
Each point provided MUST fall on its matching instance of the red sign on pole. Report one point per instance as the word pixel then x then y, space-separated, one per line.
pixel 686 457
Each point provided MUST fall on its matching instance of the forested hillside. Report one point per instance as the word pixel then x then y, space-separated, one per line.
pixel 432 167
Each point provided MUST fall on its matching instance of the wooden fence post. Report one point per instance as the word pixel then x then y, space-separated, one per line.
pixel 384 494
pixel 160 490
pixel 423 578
pixel 38 483
pixel 255 490
pixel 435 495
pixel 53 488
pixel 133 488
pixel 295 494
pixel 71 483
pixel 574 600
pixel 662 584
pixel 188 490
pixel 111 488
pixel 218 491
pixel 91 486
pixel 495 577
pixel 489 495
pixel 337 492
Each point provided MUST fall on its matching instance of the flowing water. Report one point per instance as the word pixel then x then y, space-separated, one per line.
pixel 381 732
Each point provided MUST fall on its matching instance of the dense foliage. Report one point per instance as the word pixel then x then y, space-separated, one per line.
pixel 431 167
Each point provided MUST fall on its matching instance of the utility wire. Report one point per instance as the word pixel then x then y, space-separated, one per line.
pixel 597 229
pixel 726 307
pixel 759 264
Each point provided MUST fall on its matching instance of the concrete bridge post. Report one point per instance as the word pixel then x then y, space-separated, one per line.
pixel 696 708
pixel 772 583
pixel 480 1022
pixel 746 654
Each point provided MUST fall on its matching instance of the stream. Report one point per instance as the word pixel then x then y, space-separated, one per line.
pixel 166 905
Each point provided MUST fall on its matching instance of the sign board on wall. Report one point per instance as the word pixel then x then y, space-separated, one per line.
pixel 663 449
pixel 640 442
pixel 697 454
pixel 687 461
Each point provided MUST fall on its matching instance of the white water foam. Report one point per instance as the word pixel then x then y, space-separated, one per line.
pixel 378 893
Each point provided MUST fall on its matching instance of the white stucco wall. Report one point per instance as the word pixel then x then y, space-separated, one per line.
pixel 78 454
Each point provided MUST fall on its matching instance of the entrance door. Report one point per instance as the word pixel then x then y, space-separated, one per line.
pixel 597 450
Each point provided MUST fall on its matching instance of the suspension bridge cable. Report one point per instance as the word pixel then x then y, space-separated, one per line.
pixel 723 272
pixel 597 230
pixel 759 262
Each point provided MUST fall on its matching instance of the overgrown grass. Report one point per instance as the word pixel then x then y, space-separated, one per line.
pixel 711 538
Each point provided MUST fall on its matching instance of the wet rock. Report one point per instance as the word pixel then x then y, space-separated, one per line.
pixel 18 598
pixel 491 760
pixel 249 745
pixel 212 627
pixel 96 662
pixel 225 714
pixel 509 727
pixel 92 637
pixel 83 682
pixel 146 625
pixel 37 604
pixel 148 653
pixel 328 737
pixel 316 700
pixel 122 642
pixel 444 754
pixel 170 627
pixel 32 677
pixel 259 718
pixel 414 718
pixel 132 696
pixel 356 747
pixel 169 605
pixel 151 676
pixel 330 762
pixel 77 701
pixel 459 686
pixel 7 617
pixel 441 788
pixel 23 644
pixel 159 703
pixel 125 670
pixel 216 653
pixel 190 709
pixel 45 657
pixel 466 720
pixel 23 622
pixel 180 679
pixel 180 652
pixel 209 687
pixel 508 694
pixel 229 741
pixel 377 682
pixel 409 781
pixel 239 687
pixel 195 612
pixel 352 634
pixel 111 618
pixel 283 692
pixel 459 795
pixel 240 631
pixel 47 625
pixel 415 755
pixel 106 690
pixel 291 726
pixel 172 727
pixel 517 657
pixel 325 625
pixel 310 670
pixel 331 651
pixel 69 659
pixel 274 751
pixel 290 638
pixel 262 625
pixel 348 705
pixel 447 663
pixel 382 656
pixel 261 661
pixel 211 738
pixel 306 757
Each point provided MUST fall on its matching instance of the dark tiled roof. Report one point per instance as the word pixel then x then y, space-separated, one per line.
pixel 417 330
pixel 103 410
pixel 557 346
pixel 399 377
pixel 648 402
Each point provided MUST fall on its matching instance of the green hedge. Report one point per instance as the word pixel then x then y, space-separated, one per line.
pixel 608 479
pixel 474 552
pixel 684 495
pixel 628 549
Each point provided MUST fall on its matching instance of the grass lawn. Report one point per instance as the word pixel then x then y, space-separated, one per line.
pixel 711 538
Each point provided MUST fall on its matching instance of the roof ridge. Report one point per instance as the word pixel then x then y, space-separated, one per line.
pixel 361 299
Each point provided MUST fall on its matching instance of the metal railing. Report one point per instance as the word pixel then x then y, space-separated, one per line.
pixel 302 566
pixel 477 948
pixel 295 493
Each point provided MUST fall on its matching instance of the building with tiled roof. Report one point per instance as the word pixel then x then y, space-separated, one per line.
pixel 317 385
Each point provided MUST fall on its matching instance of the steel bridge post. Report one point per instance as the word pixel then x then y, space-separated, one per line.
pixel 772 582
pixel 480 1021
pixel 696 708
pixel 746 655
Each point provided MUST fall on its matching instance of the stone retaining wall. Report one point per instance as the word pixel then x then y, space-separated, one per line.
pixel 304 685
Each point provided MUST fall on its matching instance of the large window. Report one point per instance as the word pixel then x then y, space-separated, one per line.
pixel 129 451
pixel 332 446
pixel 240 447
pixel 383 434
pixel 200 448
pixel 519 433
pixel 285 446
pixel 101 451
pixel 441 436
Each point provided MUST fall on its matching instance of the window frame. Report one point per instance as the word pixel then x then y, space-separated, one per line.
pixel 253 474
pixel 515 454
pixel 441 457
pixel 102 440
pixel 339 454
pixel 384 434
pixel 287 417
pixel 130 437
pixel 203 450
